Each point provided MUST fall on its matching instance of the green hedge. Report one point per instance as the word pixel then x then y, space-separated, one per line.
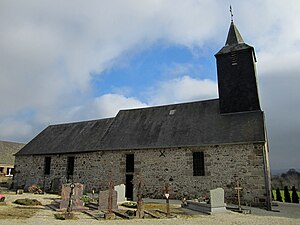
pixel 282 194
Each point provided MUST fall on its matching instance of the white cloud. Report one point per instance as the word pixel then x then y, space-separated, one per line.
pixel 182 89
pixel 108 105
pixel 49 49
pixel 52 51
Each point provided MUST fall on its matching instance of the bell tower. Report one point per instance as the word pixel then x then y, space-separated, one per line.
pixel 237 83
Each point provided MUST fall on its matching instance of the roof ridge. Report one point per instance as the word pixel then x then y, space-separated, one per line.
pixel 80 122
pixel 173 104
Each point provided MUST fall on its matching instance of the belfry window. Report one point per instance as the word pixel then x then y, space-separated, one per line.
pixel 234 58
pixel 198 164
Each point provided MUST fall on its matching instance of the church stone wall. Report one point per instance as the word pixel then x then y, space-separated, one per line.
pixel 224 164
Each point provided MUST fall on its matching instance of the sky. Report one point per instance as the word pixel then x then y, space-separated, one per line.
pixel 67 61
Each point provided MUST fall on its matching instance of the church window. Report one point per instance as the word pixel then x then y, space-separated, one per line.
pixel 198 164
pixel 70 168
pixel 129 163
pixel 47 165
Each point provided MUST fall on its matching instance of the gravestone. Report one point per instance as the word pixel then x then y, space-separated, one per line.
pixel 56 185
pixel 217 198
pixel 120 189
pixel 76 203
pixel 103 200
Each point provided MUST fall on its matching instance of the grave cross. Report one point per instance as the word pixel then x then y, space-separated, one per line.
pixel 140 203
pixel 69 208
pixel 238 188
pixel 110 196
pixel 167 195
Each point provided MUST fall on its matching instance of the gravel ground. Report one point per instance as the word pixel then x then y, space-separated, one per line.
pixel 289 214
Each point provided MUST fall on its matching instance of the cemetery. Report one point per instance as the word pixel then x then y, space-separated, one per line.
pixel 112 204
pixel 73 203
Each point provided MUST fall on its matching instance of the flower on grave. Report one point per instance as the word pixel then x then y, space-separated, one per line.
pixel 2 198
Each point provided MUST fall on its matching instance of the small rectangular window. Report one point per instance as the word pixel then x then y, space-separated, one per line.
pixel 234 58
pixel 70 168
pixel 198 164
pixel 47 165
pixel 130 163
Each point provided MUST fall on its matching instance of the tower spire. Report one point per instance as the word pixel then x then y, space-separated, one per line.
pixel 236 74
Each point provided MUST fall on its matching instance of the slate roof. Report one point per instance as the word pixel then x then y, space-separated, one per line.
pixel 186 124
pixel 68 138
pixel 7 151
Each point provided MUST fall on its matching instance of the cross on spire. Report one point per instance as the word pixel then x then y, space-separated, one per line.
pixel 231 13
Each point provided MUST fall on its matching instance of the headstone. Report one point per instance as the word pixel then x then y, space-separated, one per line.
pixel 217 203
pixel 120 189
pixel 103 200
pixel 217 197
pixel 76 203
pixel 56 185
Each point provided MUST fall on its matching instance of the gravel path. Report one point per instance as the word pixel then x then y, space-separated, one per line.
pixel 289 214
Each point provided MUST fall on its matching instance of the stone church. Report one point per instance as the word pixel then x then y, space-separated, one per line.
pixel 195 146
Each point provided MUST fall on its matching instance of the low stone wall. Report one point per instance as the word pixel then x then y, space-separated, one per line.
pixel 223 165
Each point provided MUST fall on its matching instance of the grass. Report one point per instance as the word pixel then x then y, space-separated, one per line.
pixel 12 212
pixel 282 194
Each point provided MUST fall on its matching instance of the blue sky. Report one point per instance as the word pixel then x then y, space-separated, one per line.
pixel 138 71
pixel 65 61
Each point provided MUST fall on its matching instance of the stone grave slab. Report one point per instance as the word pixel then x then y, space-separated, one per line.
pixel 103 200
pixel 216 204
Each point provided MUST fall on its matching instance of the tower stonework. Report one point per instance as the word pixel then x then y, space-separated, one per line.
pixel 236 75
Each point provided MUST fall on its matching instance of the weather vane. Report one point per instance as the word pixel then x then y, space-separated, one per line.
pixel 231 14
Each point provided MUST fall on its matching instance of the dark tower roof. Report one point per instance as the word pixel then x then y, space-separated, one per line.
pixel 235 41
pixel 234 36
